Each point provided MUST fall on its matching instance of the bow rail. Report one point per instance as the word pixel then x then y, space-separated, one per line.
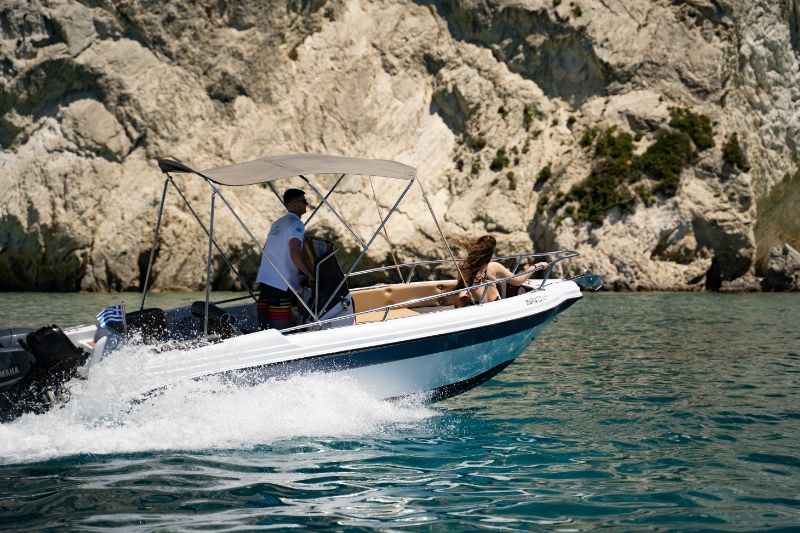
pixel 567 254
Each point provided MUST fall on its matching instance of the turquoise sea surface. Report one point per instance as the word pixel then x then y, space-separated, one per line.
pixel 633 412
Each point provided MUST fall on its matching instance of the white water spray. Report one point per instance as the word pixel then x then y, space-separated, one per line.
pixel 195 415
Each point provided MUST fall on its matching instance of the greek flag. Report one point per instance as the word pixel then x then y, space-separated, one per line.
pixel 115 313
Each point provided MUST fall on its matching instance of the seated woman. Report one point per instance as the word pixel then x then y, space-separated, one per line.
pixel 478 268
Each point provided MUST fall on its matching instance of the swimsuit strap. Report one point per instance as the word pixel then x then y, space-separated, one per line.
pixel 480 278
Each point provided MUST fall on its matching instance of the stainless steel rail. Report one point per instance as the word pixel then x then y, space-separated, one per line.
pixel 413 265
pixel 171 166
pixel 386 308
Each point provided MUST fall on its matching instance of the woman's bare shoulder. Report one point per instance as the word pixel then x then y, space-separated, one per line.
pixel 497 270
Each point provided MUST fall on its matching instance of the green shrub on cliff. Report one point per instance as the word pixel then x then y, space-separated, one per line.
pixel 527 117
pixel 733 154
pixel 616 168
pixel 698 127
pixel 542 203
pixel 602 190
pixel 477 143
pixel 512 181
pixel 588 137
pixel 500 160
pixel 560 200
pixel 543 177
pixel 615 146
pixel 502 111
pixel 664 160
pixel 476 166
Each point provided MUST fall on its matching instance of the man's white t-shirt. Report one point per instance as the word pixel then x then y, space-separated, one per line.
pixel 282 231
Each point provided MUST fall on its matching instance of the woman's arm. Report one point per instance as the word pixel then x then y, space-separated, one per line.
pixel 498 271
pixel 462 299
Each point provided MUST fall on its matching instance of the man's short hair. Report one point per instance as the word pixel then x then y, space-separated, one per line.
pixel 290 195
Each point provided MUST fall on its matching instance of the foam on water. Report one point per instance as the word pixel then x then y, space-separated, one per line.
pixel 195 415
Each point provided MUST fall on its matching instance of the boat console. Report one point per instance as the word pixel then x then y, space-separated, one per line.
pixel 330 297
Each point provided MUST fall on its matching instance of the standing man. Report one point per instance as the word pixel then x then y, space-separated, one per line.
pixel 283 246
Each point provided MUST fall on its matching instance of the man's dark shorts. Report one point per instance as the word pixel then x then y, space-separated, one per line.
pixel 274 307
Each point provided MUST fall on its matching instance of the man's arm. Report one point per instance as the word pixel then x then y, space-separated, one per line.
pixel 297 259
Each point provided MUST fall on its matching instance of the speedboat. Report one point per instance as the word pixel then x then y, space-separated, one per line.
pixel 394 339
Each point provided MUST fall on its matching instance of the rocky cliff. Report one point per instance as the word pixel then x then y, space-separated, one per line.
pixel 657 138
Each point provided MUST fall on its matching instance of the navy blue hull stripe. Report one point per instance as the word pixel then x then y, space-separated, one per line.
pixel 448 391
pixel 397 351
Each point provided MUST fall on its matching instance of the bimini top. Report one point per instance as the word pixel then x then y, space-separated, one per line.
pixel 287 166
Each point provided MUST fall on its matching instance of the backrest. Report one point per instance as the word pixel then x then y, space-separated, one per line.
pixel 382 295
pixel 220 322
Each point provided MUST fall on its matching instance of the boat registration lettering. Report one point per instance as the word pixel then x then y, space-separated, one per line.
pixel 535 299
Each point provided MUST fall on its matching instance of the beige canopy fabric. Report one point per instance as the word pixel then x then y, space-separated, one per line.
pixel 274 168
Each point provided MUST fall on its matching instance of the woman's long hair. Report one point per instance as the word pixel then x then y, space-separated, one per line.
pixel 479 254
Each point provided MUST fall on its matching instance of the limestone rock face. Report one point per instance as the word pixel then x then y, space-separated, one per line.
pixel 479 95
pixel 783 273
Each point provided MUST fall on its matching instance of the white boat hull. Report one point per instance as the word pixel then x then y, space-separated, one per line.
pixel 437 354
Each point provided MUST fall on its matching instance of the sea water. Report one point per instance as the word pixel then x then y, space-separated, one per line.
pixel 633 412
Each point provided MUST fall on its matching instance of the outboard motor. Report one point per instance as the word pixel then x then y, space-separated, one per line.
pixel 34 365
pixel 15 361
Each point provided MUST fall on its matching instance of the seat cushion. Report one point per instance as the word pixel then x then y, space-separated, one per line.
pixel 381 295
pixel 377 316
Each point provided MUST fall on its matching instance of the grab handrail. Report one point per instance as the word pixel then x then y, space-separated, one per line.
pixel 389 307
pixel 415 264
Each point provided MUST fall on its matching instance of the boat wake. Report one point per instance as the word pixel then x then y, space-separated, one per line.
pixel 195 415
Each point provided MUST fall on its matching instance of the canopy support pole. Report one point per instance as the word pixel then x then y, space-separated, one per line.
pixel 386 234
pixel 208 262
pixel 155 240
pixel 274 191
pixel 374 235
pixel 263 252
pixel 203 227
pixel 325 201
pixel 444 240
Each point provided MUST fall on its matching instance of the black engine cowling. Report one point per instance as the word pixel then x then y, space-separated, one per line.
pixel 34 365
pixel 15 361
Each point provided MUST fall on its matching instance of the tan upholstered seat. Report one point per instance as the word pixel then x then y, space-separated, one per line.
pixel 383 295
pixel 377 316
